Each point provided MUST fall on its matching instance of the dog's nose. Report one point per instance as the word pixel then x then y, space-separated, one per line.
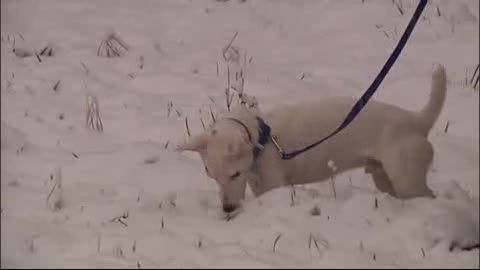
pixel 229 208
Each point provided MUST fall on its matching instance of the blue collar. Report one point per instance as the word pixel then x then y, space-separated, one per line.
pixel 263 135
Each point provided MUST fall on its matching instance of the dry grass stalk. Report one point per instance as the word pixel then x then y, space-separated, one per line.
pixel 226 48
pixel 311 239
pixel 47 51
pixel 477 74
pixel 211 115
pixel 400 7
pixel 334 168
pixel 112 46
pixel 38 58
pixel 169 108
pixel 87 71
pixel 276 240
pixel 292 196
pixel 178 113
pixel 186 125
pixel 119 219
pixel 55 87
pixel 93 120
pixel 55 196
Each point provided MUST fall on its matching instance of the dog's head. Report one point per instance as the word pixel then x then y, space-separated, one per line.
pixel 226 151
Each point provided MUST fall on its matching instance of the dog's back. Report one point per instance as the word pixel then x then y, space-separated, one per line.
pixel 378 131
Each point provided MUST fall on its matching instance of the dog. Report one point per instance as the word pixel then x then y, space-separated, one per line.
pixel 389 142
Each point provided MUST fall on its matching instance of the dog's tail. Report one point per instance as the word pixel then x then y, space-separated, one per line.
pixel 432 110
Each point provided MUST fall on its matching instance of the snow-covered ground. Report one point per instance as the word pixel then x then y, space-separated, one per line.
pixel 299 49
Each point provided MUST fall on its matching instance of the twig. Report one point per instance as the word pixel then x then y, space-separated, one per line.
pixel 292 196
pixel 475 73
pixel 43 51
pixel 87 71
pixel 203 124
pixel 38 58
pixel 178 113
pixel 333 187
pixel 75 155
pixel 466 77
pixel 211 99
pixel 276 240
pixel 53 188
pixel 166 144
pixel 55 87
pixel 311 237
pixel 438 11
pixel 217 69
pixel 471 247
pixel 399 8
pixel 376 203
pixel 186 125
pixel 228 46
pixel 169 108
pixel 213 117
pixel 119 219
pixel 227 90
pixel 119 40
pixel 134 247
pixel 446 127
pixel 163 223
pixel 111 48
pixel 423 252
pixel 100 46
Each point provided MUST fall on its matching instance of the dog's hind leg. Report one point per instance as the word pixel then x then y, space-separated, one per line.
pixel 379 176
pixel 406 161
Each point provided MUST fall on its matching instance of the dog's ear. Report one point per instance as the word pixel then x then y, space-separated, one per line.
pixel 196 143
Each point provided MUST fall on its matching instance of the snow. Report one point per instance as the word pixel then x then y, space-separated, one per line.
pixel 336 46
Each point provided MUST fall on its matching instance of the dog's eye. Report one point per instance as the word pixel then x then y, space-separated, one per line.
pixel 235 175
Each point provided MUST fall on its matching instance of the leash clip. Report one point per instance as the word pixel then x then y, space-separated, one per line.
pixel 277 146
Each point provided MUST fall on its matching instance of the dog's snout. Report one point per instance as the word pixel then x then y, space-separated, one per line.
pixel 228 208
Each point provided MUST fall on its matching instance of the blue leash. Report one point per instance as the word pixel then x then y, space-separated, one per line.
pixel 357 108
